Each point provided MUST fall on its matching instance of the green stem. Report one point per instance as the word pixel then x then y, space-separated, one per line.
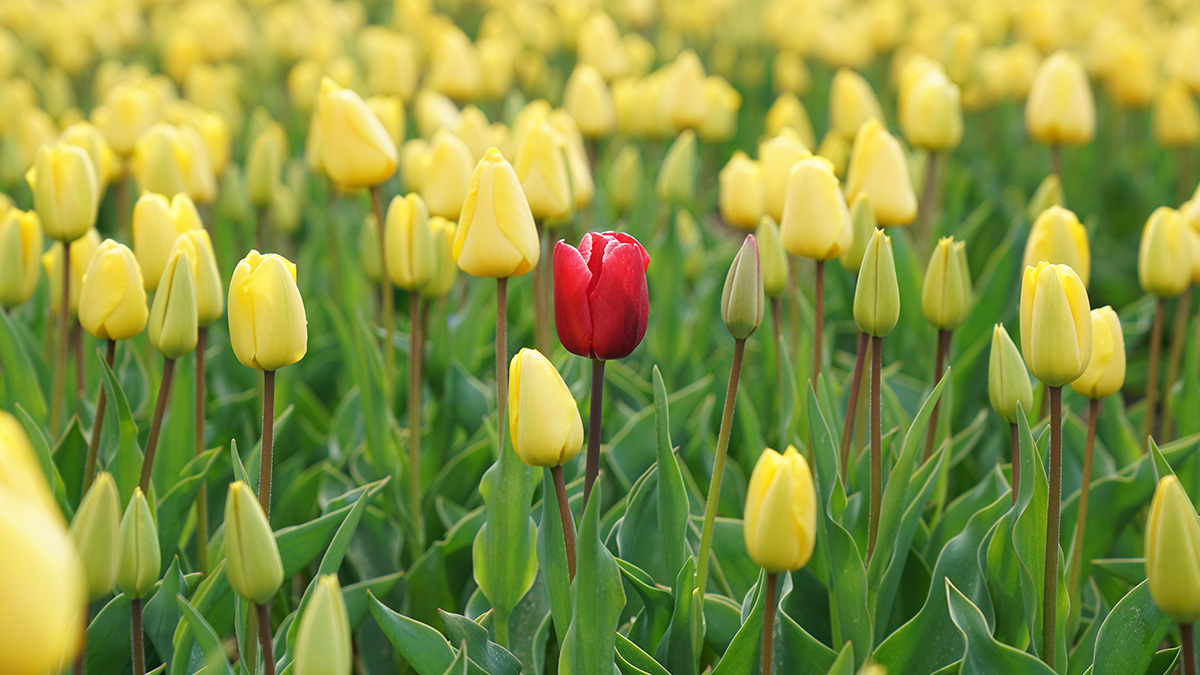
pixel 852 405
pixel 939 370
pixel 768 630
pixel 1156 328
pixel 876 444
pixel 1050 580
pixel 266 456
pixel 202 495
pixel 60 358
pixel 1081 520
pixel 385 296
pixel 264 639
pixel 595 412
pixel 1174 356
pixel 564 514
pixel 89 467
pixel 414 416
pixel 160 408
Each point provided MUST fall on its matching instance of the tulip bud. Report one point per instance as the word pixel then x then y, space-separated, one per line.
pixel 1008 380
pixel 323 645
pixel 836 150
pixel 542 415
pixel 877 295
pixel 599 45
pixel 1105 372
pixel 65 192
pixel 112 301
pixel 1173 552
pixel 742 300
pixel 862 222
pixel 356 149
pixel 931 113
pixel 264 164
pixel 722 103
pixel 173 316
pixel 368 248
pixel 127 112
pixel 542 168
pixel 441 232
pixel 445 183
pixel 210 297
pixel 156 226
pixel 254 568
pixel 1165 254
pixel 408 243
pixel 879 170
pixel 582 188
pixel 475 131
pixel 389 110
pixel 1049 193
pixel 140 557
pixel 1133 75
pixel 625 179
pixel 851 103
pixel 787 112
pixel 454 66
pixel 946 293
pixel 741 192
pixel 677 177
pixel 684 92
pixel 601 301
pixel 1176 117
pixel 496 236
pixel 284 213
pixel 89 138
pixel 82 250
pixel 1057 237
pixel 1056 324
pixel 20 256
pixel 162 160
pixel 414 163
pixel 816 223
pixel 790 74
pixel 777 156
pixel 1060 109
pixel 772 256
pixel 392 68
pixel 95 529
pixel 588 100
pixel 434 111
pixel 267 324
pixel 780 524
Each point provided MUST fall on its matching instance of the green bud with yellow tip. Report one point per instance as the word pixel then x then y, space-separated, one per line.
pixel 95 529
pixel 174 317
pixel 877 295
pixel 254 568
pixel 862 222
pixel 140 557
pixel 772 257
pixel 742 300
pixel 946 293
pixel 1008 380
pixel 677 177
pixel 1173 552
pixel 323 638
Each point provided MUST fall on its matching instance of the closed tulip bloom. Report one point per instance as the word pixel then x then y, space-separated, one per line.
pixel 253 567
pixel 1050 193
pixel 599 45
pixel 156 225
pixel 816 222
pixel 200 179
pixel 127 112
pixel 790 74
pixel 931 113
pixel 162 160
pixel 1008 380
pixel 441 233
pixel 772 256
pixel 173 317
pixel 408 243
pixel 356 149
pixel 742 192
pixel 323 645
pixel 1132 77
pixel 541 166
pixel 433 111
pixel 1060 109
pixel 496 67
pixel 780 524
pixel 210 296
pixel 475 130
pixel 588 100
pixel 777 156
pixel 389 110
pixel 862 223
pixel 267 324
pixel 446 181
pixel 264 164
pixel 95 530
pixel 684 92
pixel 414 163
pixel 1056 324
pixel 454 67
pixel 1176 117
pixel 82 250
pixel 112 301
pixel 1173 552
pixel 1058 237
pixel 677 177
pixel 368 248
pixel 625 178
pixel 601 300
pixel 722 103
pixel 496 236
pixel 877 294
pixel 582 187
pixel 1165 255
pixel 787 112
pixel 140 556
pixel 392 68
pixel 946 293
pixel 1105 372
pixel 89 138
pixel 878 169
pixel 851 103
pixel 20 256
pixel 543 416
pixel 743 300
pixel 65 192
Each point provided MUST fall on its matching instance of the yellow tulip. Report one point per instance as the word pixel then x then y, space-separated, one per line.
pixel 156 225
pixel 355 147
pixel 496 64
pixel 1105 372
pixel 931 113
pixel 677 176
pixel 414 162
pixel 454 66
pixel 836 149
pixel 20 256
pixel 475 130
pixel 790 74
pixel 878 169
pixel 780 524
pixel 721 103
pixel 1060 109
pixel 578 169
pixel 140 557
pixel 408 243
pixel 741 194
pixel 1058 237
pixel 960 52
pixel 862 223
pixel 95 530
pixel 496 236
pixel 82 250
pixel 88 137
pixel 253 566
pixel 946 292
pixel 787 112
pixel 201 179
pixel 588 100
pixel 599 46
pixel 816 222
pixel 772 256
pixel 1056 324
pixel 112 299
pixel 1008 380
pixel 267 323
pixel 1165 254
pixel 543 417
pixel 877 293
pixel 1173 552
pixel 1049 193
pixel 433 111
pixel 323 645
pixel 1176 117
pixel 542 168
pixel 389 110
pixel 392 68
pixel 173 317
pixel 441 232
pixel 684 92
pixel 1132 76
pixel 446 180
pixel 210 296
pixel 162 160
pixel 851 103
pixel 126 113
pixel 65 192
pixel 625 179
pixel 776 156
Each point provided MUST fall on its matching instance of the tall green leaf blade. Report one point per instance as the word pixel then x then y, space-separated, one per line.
pixel 673 508
pixel 505 550
pixel 984 654
pixel 1128 637
pixel 598 598
pixel 425 650
pixel 552 557
pixel 21 384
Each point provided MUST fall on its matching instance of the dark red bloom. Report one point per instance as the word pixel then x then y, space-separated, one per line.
pixel 601 303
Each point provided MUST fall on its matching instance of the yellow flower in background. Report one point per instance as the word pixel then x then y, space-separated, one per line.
pixel 790 74
pixel 862 222
pixel 677 175
pixel 201 179
pixel 777 156
pixel 1165 254
pixel 392 67
pixel 625 178
pixel 389 110
pixel 541 166
pixel 1058 237
pixel 1176 118
pixel 787 112
pixel 1056 324
pixel 162 160
pixel 82 250
pixel 496 236
pixel 772 256
pixel 837 150
pixel 583 189
pixel 543 416
pixel 88 137
pixel 878 168
pixel 112 299
pixel 444 183
pixel 1132 77
pixel 268 327
pixel 156 225
pixel 741 192
pixel 722 102
pixel 20 256
pixel 445 272
pixel 210 296
pixel 1060 109
pixel 475 130
pixel 1105 372
pixel 65 192
pixel 408 243
pixel 684 92
pixel 1008 380
pixel 496 67
pixel 454 66
pixel 599 46
pixel 126 113
pixel 816 221
pixel 589 101
pixel 946 292
pixel 931 112
pixel 780 523
pixel 356 150
pixel 851 103
pixel 1173 552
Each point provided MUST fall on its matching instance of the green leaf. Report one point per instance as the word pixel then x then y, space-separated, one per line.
pixel 108 645
pixel 984 654
pixel 423 648
pixel 677 651
pixel 631 655
pixel 673 507
pixel 41 447
pixel 161 615
pixel 552 557
pixel 205 636
pixel 844 663
pixel 460 664
pixel 120 454
pixel 1129 636
pixel 597 600
pixel 20 373
pixel 476 641
pixel 178 430
pixel 658 607
pixel 176 504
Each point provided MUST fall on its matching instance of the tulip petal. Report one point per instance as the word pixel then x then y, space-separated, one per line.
pixel 619 302
pixel 572 313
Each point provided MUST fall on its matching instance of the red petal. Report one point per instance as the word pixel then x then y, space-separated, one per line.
pixel 620 302
pixel 572 314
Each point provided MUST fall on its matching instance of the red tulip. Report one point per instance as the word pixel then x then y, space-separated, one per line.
pixel 601 303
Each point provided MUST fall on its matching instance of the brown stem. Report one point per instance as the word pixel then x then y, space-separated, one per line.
pixel 89 467
pixel 81 658
pixel 202 495
pixel 1160 308
pixel 768 633
pixel 819 322
pixel 414 415
pixel 595 411
pixel 501 357
pixel 876 444
pixel 139 652
pixel 60 360
pixel 795 302
pixel 564 515
pixel 1085 485
pixel 260 228
pixel 1016 460
pixel 385 296
pixel 1050 580
pixel 1188 642
pixel 1056 160
pixel 160 408
pixel 939 371
pixel 1174 356
pixel 852 404
pixel 264 639
pixel 77 352
pixel 926 206
pixel 266 456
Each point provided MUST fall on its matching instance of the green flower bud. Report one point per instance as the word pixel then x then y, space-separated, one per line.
pixel 254 568
pixel 141 558
pixel 877 296
pixel 862 221
pixel 95 530
pixel 677 176
pixel 772 257
pixel 174 317
pixel 323 639
pixel 742 300
pixel 1008 381
pixel 946 294
pixel 1049 193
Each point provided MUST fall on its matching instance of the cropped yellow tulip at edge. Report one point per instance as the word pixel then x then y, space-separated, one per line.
pixel 1173 552
pixel 1105 372
pixel 20 256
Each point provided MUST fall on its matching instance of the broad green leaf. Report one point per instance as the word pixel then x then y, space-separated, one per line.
pixel 161 614
pixel 673 507
pixel 844 663
pixel 658 607
pixel 984 654
pixel 176 504
pixel 120 453
pixel 1130 635
pixel 205 636
pixel 21 384
pixel 631 655
pixel 108 645
pixel 476 641
pixel 597 600
pixel 678 651
pixel 552 557
pixel 423 648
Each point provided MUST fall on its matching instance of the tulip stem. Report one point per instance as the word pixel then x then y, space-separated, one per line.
pixel 501 359
pixel 77 353
pixel 1016 460
pixel 1160 308
pixel 385 297
pixel 818 321
pixel 333 235
pixel 160 408
pixel 60 360
pixel 779 347
pixel 926 206
pixel 768 630
pixel 1187 642
pixel 939 371
pixel 260 228
pixel 564 514
pixel 264 638
pixel 714 486
pixel 1050 580
pixel 202 495
pixel 1056 160
pixel 1081 521
pixel 416 355
pixel 852 406
pixel 266 457
pixel 81 658
pixel 139 652
pixel 540 319
pixel 89 467
pixel 1174 356
pixel 595 409
pixel 876 444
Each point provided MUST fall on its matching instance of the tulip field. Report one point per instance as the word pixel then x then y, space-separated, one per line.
pixel 614 337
